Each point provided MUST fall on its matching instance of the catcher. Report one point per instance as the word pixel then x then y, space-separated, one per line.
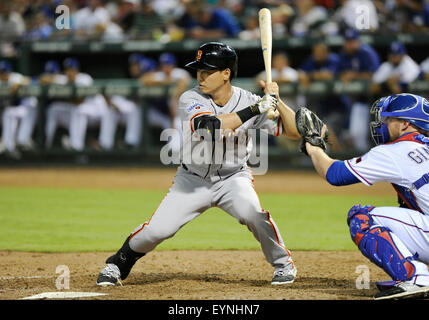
pixel 395 239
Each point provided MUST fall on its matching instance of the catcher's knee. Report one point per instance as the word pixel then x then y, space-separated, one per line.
pixel 359 220
pixel 377 244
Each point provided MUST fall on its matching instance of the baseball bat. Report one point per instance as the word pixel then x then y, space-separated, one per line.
pixel 267 46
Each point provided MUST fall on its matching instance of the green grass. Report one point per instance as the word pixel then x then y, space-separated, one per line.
pixel 67 220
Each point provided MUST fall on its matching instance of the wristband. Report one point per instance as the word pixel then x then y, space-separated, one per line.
pixel 248 113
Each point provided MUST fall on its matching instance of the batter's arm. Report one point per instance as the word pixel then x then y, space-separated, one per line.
pixel 233 120
pixel 287 115
pixel 230 121
pixel 288 121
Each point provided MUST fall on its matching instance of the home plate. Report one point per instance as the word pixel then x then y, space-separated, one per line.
pixel 64 295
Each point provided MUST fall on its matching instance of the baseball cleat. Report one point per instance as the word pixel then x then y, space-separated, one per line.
pixel 284 275
pixel 386 285
pixel 403 290
pixel 109 276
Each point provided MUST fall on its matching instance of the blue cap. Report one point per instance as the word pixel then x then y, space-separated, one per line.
pixel 135 58
pixel 167 58
pixel 147 64
pixel 351 34
pixel 397 47
pixel 5 66
pixel 52 66
pixel 71 63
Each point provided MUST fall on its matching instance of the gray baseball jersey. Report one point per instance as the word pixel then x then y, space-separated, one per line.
pixel 226 185
pixel 192 104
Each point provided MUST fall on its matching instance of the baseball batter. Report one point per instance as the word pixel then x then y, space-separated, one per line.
pixel 214 106
pixel 395 239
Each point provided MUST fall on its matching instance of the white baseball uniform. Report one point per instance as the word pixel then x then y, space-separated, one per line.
pixel 75 118
pixel 402 163
pixel 407 70
pixel 226 183
pixel 18 121
pixel 126 112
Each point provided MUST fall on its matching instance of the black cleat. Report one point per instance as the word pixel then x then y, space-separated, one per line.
pixel 119 265
pixel 109 276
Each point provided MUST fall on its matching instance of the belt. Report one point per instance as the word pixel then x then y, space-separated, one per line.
pixel 421 182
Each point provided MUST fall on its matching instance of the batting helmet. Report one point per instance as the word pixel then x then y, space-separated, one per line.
pixel 406 106
pixel 215 56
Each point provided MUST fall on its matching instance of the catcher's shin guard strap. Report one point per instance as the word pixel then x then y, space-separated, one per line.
pixel 378 245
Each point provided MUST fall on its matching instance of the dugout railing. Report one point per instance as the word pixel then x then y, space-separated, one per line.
pixel 148 152
pixel 109 59
pixel 107 62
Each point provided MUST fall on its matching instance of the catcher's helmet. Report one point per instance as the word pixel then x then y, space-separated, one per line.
pixel 215 56
pixel 406 106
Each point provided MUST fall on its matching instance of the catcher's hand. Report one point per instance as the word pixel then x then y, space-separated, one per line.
pixel 309 126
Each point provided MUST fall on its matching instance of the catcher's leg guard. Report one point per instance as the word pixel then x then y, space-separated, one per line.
pixel 377 243
pixel 125 259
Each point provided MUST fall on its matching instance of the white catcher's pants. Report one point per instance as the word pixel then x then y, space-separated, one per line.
pixel 18 123
pixel 411 230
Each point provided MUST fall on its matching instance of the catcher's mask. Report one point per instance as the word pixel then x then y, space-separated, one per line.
pixel 406 106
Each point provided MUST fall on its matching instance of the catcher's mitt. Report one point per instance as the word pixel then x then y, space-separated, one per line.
pixel 309 126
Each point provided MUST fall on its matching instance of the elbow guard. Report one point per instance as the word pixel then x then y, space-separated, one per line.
pixel 339 175
pixel 208 126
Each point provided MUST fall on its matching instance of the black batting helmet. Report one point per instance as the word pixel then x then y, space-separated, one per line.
pixel 215 56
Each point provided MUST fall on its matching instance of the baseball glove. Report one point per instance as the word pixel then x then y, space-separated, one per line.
pixel 309 126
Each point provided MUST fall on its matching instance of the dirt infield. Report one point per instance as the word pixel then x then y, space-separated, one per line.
pixel 184 275
pixel 194 275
